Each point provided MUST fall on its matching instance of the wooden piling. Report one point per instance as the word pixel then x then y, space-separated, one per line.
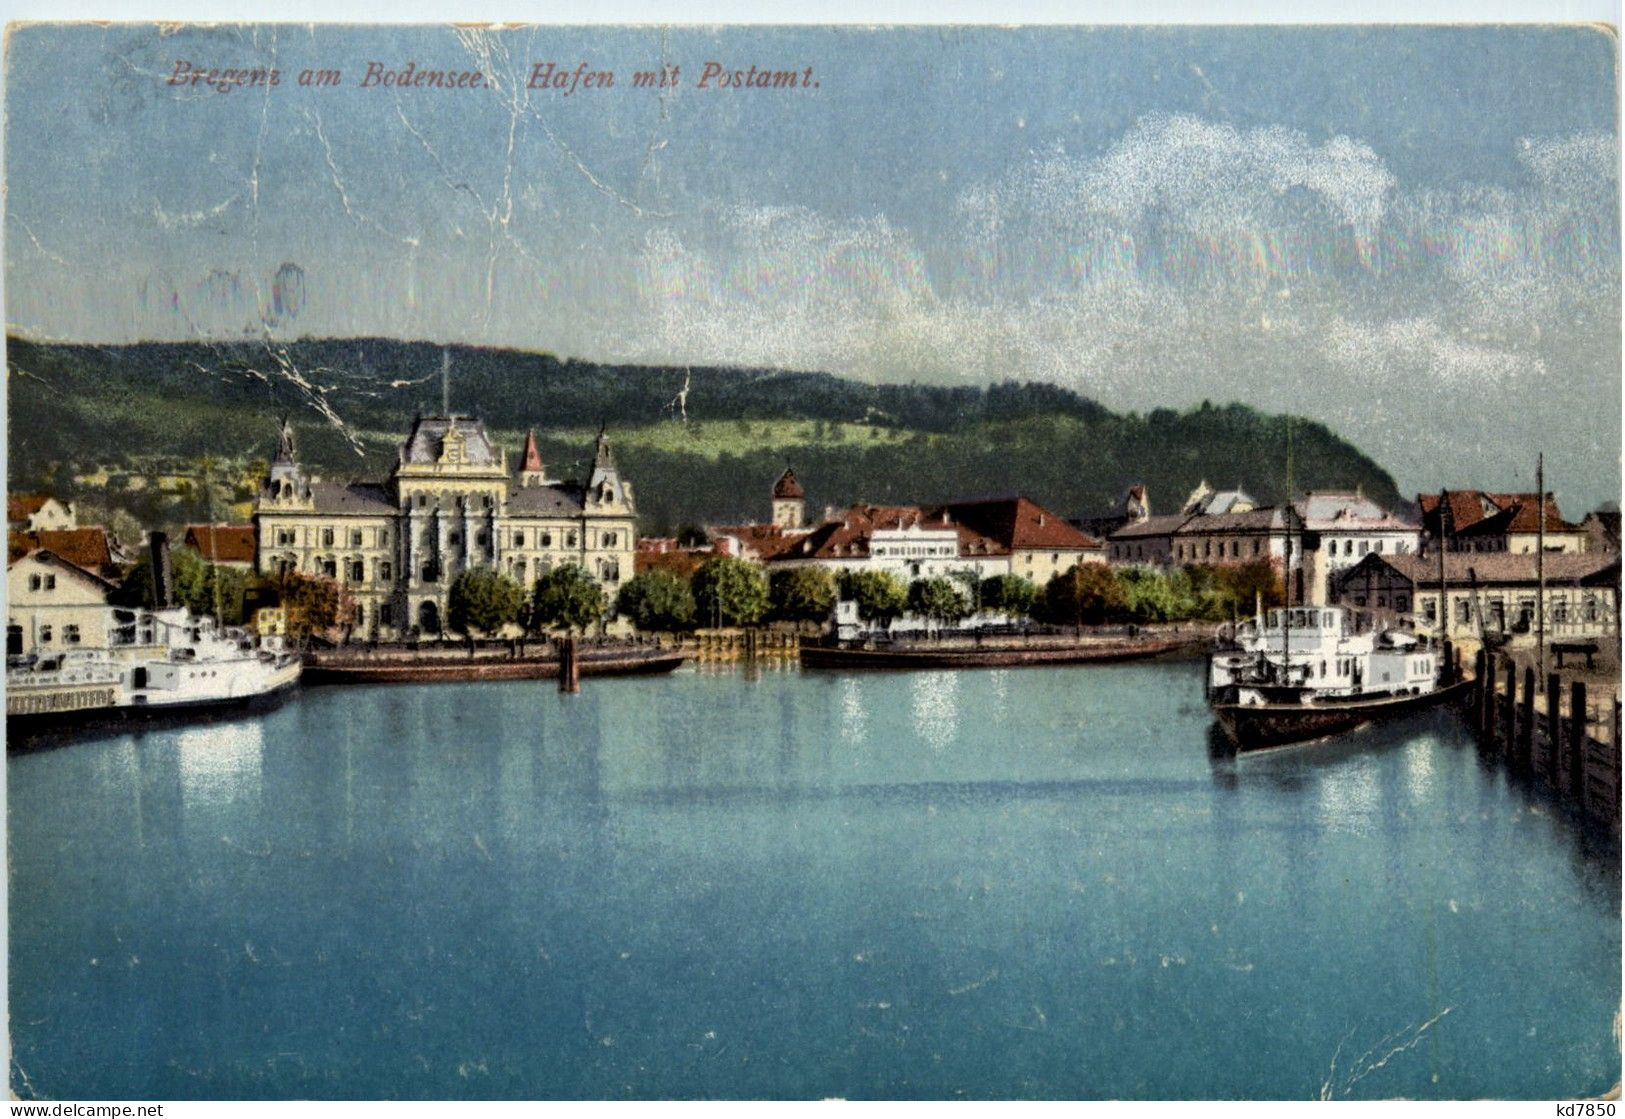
pixel 569 667
pixel 1577 741
pixel 1480 687
pixel 1526 724
pixel 1510 734
pixel 1554 728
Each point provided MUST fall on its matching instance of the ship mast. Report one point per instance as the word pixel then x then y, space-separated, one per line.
pixel 1286 612
pixel 1540 569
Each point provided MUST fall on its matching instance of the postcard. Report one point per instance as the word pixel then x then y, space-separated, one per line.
pixel 799 562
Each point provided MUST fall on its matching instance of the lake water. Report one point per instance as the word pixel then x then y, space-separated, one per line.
pixel 1031 883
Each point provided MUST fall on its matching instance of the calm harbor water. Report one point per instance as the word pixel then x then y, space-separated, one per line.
pixel 1033 883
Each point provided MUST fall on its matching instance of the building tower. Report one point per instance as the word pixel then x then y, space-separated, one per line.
pixel 530 467
pixel 789 501
pixel 287 483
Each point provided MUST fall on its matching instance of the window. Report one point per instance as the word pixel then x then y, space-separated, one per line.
pixel 1379 545
pixel 35 582
pixel 518 540
pixel 1402 602
pixel 386 615
pixel 327 538
pixel 1363 548
pixel 45 635
pixel 429 573
pixel 1464 611
pixel 609 540
pixel 284 537
pixel 423 500
pixel 1430 610
pixel 1256 545
pixel 385 572
pixel 355 538
pixel 454 539
pixel 482 539
pixel 50 582
pixel 330 568
pixel 70 634
pixel 358 572
pixel 383 538
pixel 570 540
pixel 547 540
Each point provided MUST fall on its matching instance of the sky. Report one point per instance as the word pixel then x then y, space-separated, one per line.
pixel 1409 233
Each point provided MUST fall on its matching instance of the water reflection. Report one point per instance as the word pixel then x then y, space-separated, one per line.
pixel 935 705
pixel 220 765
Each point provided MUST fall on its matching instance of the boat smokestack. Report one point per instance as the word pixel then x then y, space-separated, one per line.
pixel 163 578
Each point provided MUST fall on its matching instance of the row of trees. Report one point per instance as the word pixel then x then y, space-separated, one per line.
pixel 727 591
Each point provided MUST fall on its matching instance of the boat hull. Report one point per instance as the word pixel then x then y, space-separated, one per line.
pixel 831 657
pixel 1266 725
pixel 325 669
pixel 33 730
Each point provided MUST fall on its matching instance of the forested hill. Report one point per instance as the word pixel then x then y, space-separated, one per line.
pixel 700 444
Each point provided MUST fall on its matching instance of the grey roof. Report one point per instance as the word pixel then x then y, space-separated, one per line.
pixel 1164 525
pixel 1258 520
pixel 1347 510
pixel 1220 501
pixel 563 500
pixel 423 444
pixel 351 497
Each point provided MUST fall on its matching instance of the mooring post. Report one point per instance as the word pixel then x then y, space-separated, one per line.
pixel 1480 663
pixel 1554 727
pixel 569 669
pixel 1577 741
pixel 1526 727
pixel 1509 736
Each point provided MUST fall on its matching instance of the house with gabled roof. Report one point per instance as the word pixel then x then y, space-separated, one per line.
pixel 54 605
pixel 1490 593
pixel 1480 521
pixel 35 512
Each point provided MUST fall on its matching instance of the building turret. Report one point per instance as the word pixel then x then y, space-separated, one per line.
pixel 1136 506
pixel 530 467
pixel 789 501
pixel 287 482
pixel 604 484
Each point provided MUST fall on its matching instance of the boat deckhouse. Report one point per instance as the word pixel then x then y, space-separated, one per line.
pixel 450 504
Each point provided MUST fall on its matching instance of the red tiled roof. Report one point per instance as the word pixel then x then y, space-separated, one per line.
pixel 21 506
pixel 82 547
pixel 678 562
pixel 765 540
pixel 222 543
pixel 1019 524
pixel 850 535
pixel 1467 509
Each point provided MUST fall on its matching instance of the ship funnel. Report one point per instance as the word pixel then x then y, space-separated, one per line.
pixel 163 577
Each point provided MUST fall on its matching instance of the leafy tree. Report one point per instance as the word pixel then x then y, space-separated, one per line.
pixel 1236 589
pixel 802 594
pixel 730 591
pixel 484 600
pixel 566 596
pixel 938 600
pixel 1009 594
pixel 310 605
pixel 1084 594
pixel 881 596
pixel 657 600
